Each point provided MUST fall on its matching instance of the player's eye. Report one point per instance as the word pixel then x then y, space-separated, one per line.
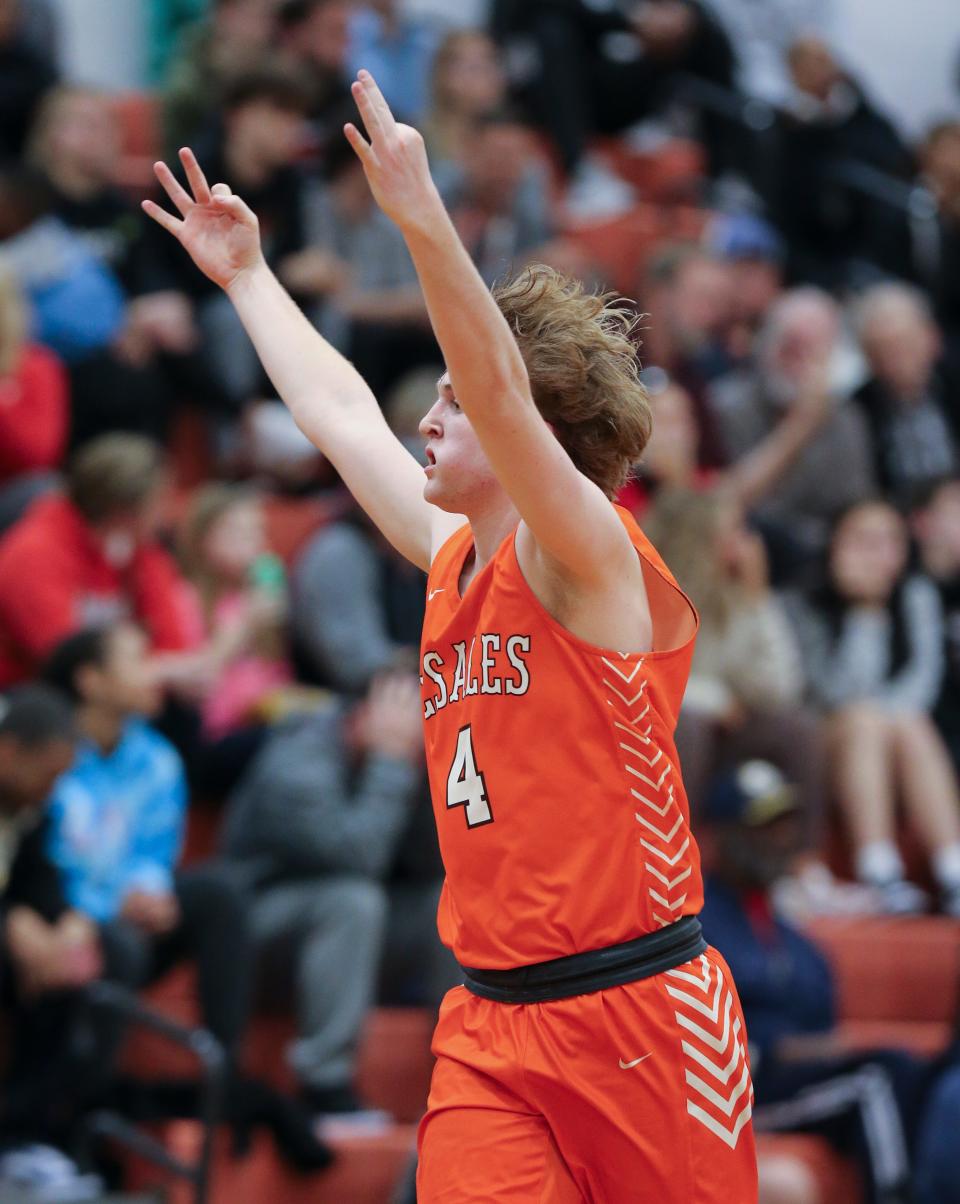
pixel 454 404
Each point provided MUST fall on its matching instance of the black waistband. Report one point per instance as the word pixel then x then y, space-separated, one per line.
pixel 581 973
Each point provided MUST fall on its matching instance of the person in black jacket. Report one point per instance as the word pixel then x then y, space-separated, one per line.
pixel 47 951
pixel 599 68
pixel 829 128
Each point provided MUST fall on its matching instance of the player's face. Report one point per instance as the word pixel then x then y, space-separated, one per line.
pixel 459 476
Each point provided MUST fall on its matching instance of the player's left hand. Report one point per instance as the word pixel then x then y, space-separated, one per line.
pixel 394 160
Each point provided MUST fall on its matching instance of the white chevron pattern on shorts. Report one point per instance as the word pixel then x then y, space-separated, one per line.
pixel 664 833
pixel 712 1044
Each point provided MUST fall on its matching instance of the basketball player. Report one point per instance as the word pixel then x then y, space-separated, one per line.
pixel 596 1051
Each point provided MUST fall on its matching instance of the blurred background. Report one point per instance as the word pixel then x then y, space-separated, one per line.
pixel 218 873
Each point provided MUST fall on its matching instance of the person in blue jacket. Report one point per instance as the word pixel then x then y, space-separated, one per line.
pixel 804 1077
pixel 116 824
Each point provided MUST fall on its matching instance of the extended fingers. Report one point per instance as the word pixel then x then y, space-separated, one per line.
pixel 196 178
pixel 173 188
pixel 374 110
pixel 162 218
pixel 357 141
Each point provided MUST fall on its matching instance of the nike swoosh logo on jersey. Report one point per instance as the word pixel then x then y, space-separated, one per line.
pixel 636 1062
pixel 433 592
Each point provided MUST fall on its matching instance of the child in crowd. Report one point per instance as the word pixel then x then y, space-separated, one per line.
pixel 237 599
pixel 872 640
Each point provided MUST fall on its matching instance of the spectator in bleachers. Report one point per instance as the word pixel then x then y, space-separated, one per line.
pixel 117 820
pixel 498 201
pixel 744 695
pixel 34 405
pixel 829 123
pixel 801 359
pixel 359 274
pixel 230 40
pixel 25 74
pixel 75 143
pixel 80 311
pixel 689 294
pixel 755 254
pixel 397 49
pixel 262 118
pixel 937 527
pixel 315 826
pixel 936 262
pixel 803 1074
pixel 762 36
pixel 671 459
pixel 238 600
pixel 589 69
pixel 467 81
pixel 91 555
pixel 909 401
pixel 314 40
pixel 872 645
pixel 48 951
pixel 357 606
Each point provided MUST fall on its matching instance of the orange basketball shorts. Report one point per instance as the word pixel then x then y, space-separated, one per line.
pixel 637 1093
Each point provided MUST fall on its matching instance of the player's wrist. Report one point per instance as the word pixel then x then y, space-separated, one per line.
pixel 247 278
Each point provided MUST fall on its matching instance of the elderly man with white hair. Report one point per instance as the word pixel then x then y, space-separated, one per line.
pixel 803 357
pixel 908 400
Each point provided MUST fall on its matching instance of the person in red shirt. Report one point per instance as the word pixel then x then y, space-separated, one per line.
pixel 33 409
pixel 89 555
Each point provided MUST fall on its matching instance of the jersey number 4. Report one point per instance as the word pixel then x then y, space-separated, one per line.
pixel 465 785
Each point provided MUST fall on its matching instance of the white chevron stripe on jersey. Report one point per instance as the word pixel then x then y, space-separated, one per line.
pixel 620 673
pixel 651 761
pixel 666 837
pixel 712 1045
pixel 669 883
pixel 661 811
pixel 654 785
pixel 648 765
pixel 623 698
pixel 629 730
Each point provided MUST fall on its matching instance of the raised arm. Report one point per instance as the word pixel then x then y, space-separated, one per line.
pixel 570 519
pixel 328 398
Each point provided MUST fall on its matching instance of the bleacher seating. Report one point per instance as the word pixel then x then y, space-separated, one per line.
pixel 899 982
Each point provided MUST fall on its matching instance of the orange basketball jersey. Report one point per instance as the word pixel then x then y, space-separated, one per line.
pixel 562 817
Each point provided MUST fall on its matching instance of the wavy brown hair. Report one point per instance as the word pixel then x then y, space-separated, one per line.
pixel 583 369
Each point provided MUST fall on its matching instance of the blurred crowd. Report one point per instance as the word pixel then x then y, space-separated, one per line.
pixel 170 655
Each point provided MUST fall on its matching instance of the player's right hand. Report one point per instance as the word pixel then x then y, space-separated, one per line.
pixel 220 233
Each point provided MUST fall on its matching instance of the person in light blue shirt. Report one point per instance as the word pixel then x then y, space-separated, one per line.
pixel 116 822
pixel 398 51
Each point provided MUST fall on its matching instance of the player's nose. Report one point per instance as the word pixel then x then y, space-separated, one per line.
pixel 430 423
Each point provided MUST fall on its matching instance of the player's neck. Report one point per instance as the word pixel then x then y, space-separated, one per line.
pixel 490 527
